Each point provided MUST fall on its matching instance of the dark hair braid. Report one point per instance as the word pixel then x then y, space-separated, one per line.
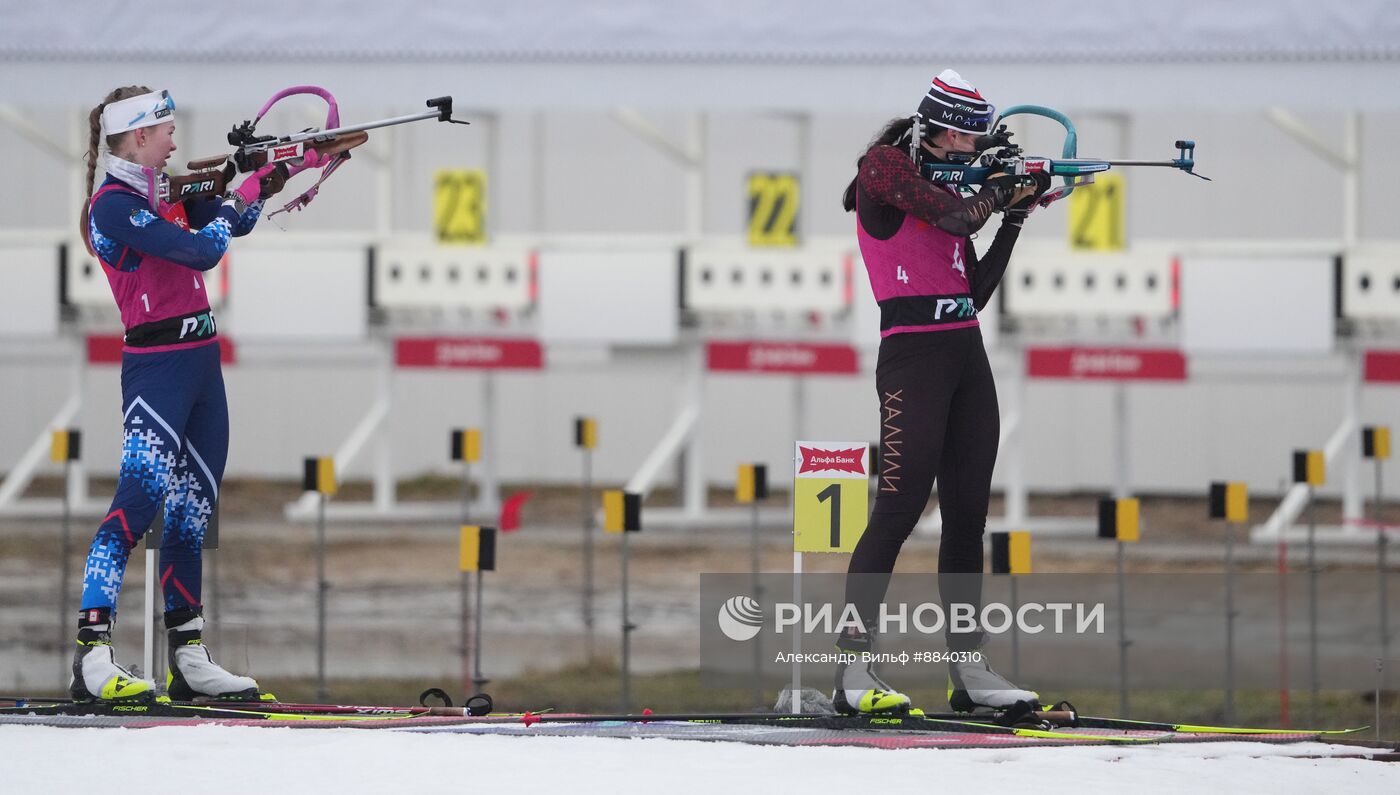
pixel 895 132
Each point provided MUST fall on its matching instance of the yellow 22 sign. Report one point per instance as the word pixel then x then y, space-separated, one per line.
pixel 774 198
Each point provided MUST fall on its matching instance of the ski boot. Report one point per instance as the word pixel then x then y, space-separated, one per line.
pixel 193 673
pixel 974 687
pixel 859 691
pixel 96 675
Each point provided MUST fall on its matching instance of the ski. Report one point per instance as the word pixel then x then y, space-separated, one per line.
pixel 1051 723
pixel 476 705
pixel 252 710
pixel 1040 723
pixel 1092 722
pixel 309 712
pixel 891 722
pixel 1064 715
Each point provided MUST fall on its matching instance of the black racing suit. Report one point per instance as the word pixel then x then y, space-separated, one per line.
pixel 939 417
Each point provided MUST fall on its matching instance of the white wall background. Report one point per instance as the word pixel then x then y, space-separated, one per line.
pixel 542 79
pixel 1240 418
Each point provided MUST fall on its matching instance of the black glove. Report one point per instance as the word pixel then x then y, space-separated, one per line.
pixel 1002 187
pixel 1017 212
pixel 1042 184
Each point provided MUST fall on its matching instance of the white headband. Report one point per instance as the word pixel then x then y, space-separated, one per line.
pixel 133 113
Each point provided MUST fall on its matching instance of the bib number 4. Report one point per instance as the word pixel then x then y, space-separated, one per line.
pixel 901 274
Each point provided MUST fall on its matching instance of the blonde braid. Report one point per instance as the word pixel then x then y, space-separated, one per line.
pixel 94 134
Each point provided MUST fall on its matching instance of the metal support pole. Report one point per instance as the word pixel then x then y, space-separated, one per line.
pixel 695 178
pixel 758 596
pixel 796 691
pixel 1312 606
pixel 488 496
pixel 321 586
pixel 1017 493
pixel 492 135
pixel 1229 622
pixel 587 510
pixel 1353 498
pixel 464 624
pixel 1380 690
pixel 466 491
pixel 1122 478
pixel 1381 586
pixel 478 680
pixel 1285 680
pixel 385 489
pixel 539 182
pixel 1015 633
pixel 1122 639
pixel 693 484
pixel 799 406
pixel 465 600
pixel 626 635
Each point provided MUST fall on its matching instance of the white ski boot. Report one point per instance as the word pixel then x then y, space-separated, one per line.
pixel 859 690
pixel 974 687
pixel 193 672
pixel 96 675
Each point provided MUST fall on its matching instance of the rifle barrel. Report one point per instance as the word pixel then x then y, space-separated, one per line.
pixel 295 138
pixel 1166 163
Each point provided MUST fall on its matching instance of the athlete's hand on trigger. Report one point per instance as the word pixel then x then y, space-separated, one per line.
pixel 273 183
pixel 1005 188
pixel 1026 195
pixel 250 189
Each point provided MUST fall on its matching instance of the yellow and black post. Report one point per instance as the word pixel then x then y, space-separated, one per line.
pixel 1011 554
pixel 466 447
pixel 476 553
pixel 1229 501
pixel 586 439
pixel 1310 469
pixel 751 488
pixel 1375 445
pixel 1120 520
pixel 318 475
pixel 66 446
pixel 622 513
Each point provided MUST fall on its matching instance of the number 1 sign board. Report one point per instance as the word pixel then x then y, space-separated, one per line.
pixel 831 496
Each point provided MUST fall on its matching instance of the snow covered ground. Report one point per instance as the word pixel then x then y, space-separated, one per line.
pixel 233 759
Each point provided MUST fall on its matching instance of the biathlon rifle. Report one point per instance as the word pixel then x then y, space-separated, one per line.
pixel 974 168
pixel 329 148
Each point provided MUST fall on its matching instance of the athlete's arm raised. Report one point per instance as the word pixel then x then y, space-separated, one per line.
pixel 889 176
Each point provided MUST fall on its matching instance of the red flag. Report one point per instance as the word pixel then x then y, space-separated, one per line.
pixel 510 511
